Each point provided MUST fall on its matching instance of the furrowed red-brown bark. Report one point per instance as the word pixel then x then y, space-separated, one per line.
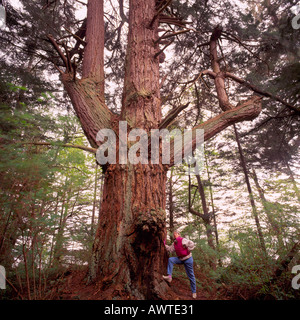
pixel 171 203
pixel 93 59
pixel 87 94
pixel 129 256
pixel 88 104
pixel 128 253
pixel 219 78
pixel 141 105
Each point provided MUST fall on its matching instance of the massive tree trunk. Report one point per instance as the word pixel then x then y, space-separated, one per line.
pixel 128 256
pixel 128 249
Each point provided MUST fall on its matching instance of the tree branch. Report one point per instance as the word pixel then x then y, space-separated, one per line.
pixel 58 144
pixel 92 112
pixel 163 49
pixel 58 49
pixel 159 11
pixel 172 35
pixel 172 115
pixel 81 41
pixel 247 111
pixel 219 78
pixel 122 14
pixel 261 92
pixel 204 72
pixel 172 20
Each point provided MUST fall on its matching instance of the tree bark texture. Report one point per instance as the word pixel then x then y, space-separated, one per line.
pixel 128 253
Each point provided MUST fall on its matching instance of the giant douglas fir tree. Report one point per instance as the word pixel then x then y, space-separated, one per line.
pixel 129 257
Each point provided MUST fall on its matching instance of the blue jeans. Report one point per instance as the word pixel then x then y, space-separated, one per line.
pixel 188 265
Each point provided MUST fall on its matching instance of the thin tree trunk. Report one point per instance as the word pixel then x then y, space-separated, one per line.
pixel 171 204
pixel 272 220
pixel 3 235
pixel 251 198
pixel 33 266
pixel 57 252
pixel 33 243
pixel 206 215
pixel 53 238
pixel 213 208
pixel 58 238
pixel 292 178
pixel 40 271
pixel 26 272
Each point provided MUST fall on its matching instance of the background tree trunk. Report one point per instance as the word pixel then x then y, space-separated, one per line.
pixel 171 204
pixel 207 216
pixel 251 197
pixel 275 226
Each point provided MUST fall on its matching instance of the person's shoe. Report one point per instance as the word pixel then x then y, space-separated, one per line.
pixel 194 295
pixel 168 278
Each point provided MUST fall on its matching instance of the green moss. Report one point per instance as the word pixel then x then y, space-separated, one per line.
pixel 134 96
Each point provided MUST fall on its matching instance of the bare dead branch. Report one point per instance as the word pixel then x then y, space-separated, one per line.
pixel 122 14
pixel 58 49
pixel 172 115
pixel 161 9
pixel 163 49
pixel 172 20
pixel 172 35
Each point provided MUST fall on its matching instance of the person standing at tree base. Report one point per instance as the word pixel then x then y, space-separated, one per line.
pixel 183 248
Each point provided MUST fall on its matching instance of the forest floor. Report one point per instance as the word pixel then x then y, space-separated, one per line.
pixel 73 286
